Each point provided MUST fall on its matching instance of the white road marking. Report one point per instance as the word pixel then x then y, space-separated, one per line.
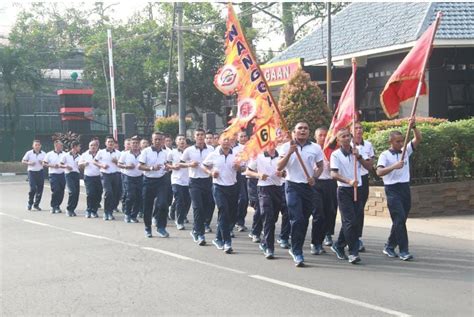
pixel 36 223
pixel 329 295
pixel 89 235
pixel 45 225
pixel 185 258
pixel 256 277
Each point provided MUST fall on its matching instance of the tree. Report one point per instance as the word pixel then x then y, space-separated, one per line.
pixel 204 55
pixel 302 100
pixel 141 52
pixel 294 18
pixel 17 75
pixel 48 33
pixel 140 62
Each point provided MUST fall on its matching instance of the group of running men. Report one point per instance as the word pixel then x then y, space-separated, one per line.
pixel 160 183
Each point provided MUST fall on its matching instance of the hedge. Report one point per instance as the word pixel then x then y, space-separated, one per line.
pixel 372 127
pixel 446 152
pixel 170 125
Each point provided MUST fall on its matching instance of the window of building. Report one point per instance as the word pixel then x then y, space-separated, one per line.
pixel 460 100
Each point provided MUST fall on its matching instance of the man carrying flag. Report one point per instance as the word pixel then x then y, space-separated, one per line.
pixel 393 165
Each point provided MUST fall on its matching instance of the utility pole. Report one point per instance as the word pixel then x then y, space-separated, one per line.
pixel 329 61
pixel 170 62
pixel 181 104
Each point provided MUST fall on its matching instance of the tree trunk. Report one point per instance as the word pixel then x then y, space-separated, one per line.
pixel 288 21
pixel 247 22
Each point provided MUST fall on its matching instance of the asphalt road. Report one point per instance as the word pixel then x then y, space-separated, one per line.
pixel 54 265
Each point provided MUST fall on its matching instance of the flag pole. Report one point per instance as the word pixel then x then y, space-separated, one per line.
pixel 283 122
pixel 354 70
pixel 420 84
pixel 112 86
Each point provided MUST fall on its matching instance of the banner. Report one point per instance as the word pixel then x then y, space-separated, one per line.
pixel 241 75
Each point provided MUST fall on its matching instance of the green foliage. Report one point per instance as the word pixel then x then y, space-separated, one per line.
pixel 170 125
pixel 446 147
pixel 17 75
pixel 302 100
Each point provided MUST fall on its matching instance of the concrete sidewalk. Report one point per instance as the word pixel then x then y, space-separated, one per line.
pixel 458 226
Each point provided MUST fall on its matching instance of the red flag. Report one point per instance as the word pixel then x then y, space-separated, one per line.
pixel 343 116
pixel 403 83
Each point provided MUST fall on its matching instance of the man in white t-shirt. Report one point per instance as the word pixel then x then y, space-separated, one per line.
pixel 52 160
pixel 70 163
pixel 243 202
pixel 215 140
pixel 223 166
pixel 300 195
pixel 180 181
pixel 34 159
pixel 92 180
pixel 107 159
pixel 132 178
pixel 200 185
pixel 209 139
pixel 167 147
pixel 127 145
pixel 270 181
pixel 367 150
pixel 342 169
pixel 396 178
pixel 153 162
pixel 328 187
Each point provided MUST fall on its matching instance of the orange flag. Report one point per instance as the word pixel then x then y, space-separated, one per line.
pixel 343 116
pixel 241 75
pixel 403 83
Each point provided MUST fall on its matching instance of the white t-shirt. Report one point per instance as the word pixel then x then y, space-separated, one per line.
pixel 152 157
pixel 211 147
pixel 105 157
pixel 53 158
pixel 71 160
pixel 343 163
pixel 91 169
pixel 390 157
pixel 366 150
pixel 326 174
pixel 265 164
pixel 32 156
pixel 224 164
pixel 237 150
pixel 181 176
pixel 196 154
pixel 311 154
pixel 129 158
